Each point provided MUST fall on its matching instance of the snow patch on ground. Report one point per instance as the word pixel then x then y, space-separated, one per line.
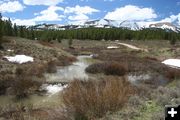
pixel 53 89
pixel 129 46
pixel 19 59
pixel 112 47
pixel 172 62
pixel 9 50
pixel 134 78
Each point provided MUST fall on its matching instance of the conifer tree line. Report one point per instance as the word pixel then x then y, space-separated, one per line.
pixel 9 29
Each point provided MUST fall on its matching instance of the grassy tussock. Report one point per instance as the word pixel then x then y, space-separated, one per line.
pixel 172 74
pixel 108 68
pixel 92 99
pixel 64 60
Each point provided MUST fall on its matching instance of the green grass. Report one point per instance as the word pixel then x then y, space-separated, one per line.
pixel 147 110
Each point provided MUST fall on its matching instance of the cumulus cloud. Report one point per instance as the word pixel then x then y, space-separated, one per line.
pixel 79 13
pixel 78 17
pixel 131 12
pixel 80 10
pixel 42 2
pixel 172 18
pixel 11 6
pixel 50 14
pixel 24 21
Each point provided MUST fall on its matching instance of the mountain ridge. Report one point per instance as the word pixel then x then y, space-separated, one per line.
pixel 107 23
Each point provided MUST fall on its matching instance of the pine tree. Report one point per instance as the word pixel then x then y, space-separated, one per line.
pixel 173 39
pixel 15 30
pixel 70 42
pixel 21 32
pixel 1 32
pixel 10 29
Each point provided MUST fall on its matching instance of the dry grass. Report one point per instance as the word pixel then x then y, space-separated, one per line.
pixel 23 112
pixel 48 44
pixel 108 68
pixel 87 100
pixel 172 74
pixel 24 83
pixel 115 68
pixel 64 60
pixel 23 86
pixel 51 66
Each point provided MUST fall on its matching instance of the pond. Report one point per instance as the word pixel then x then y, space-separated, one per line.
pixel 69 73
pixel 54 85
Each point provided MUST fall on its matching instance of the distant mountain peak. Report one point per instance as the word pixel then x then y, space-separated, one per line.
pixel 132 25
pixel 107 23
pixel 165 25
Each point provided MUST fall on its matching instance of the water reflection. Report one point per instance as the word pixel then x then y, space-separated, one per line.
pixel 74 71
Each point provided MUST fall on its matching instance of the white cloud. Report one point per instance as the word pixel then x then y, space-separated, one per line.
pixel 172 18
pixel 80 10
pixel 42 2
pixel 131 12
pixel 11 6
pixel 77 22
pixel 5 18
pixel 79 13
pixel 24 21
pixel 49 14
pixel 78 17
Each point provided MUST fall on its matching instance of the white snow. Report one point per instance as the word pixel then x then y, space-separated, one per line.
pixel 172 62
pixel 167 27
pixel 112 47
pixel 53 89
pixel 9 50
pixel 129 46
pixel 19 59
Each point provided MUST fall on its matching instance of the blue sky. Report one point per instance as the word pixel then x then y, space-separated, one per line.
pixel 30 12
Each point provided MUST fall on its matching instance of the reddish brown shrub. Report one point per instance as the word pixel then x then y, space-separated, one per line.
pixel 151 58
pixel 51 66
pixel 64 60
pixel 24 85
pixel 34 69
pixel 172 74
pixel 91 99
pixel 113 68
pixel 96 68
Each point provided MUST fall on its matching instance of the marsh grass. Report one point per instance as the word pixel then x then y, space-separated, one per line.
pixel 108 68
pixel 92 99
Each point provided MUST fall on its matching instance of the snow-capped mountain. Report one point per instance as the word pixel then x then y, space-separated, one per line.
pixel 102 23
pixel 106 23
pixel 47 26
pixel 130 25
pixel 164 25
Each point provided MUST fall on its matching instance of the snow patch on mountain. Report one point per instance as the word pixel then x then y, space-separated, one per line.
pixel 106 23
pixel 129 25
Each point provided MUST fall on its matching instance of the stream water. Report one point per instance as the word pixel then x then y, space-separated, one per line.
pixel 69 73
pixel 56 82
pixel 53 87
